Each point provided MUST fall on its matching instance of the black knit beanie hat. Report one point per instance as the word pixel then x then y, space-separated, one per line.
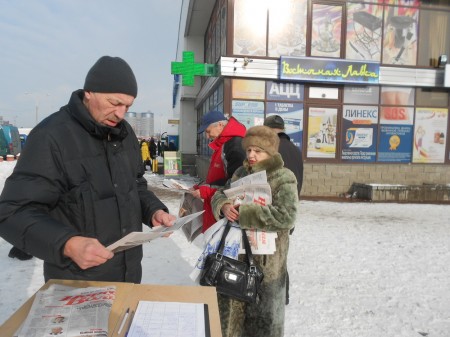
pixel 112 75
pixel 262 137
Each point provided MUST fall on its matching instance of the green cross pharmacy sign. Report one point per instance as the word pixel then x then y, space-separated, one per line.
pixel 188 69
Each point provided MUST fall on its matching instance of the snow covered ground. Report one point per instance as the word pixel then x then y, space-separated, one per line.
pixel 356 269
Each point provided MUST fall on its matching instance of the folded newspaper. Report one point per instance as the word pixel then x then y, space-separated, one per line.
pixel 134 239
pixel 67 312
pixel 191 205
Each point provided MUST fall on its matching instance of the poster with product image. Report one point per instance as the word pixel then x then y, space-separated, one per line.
pixel 359 136
pixel 322 123
pixel 396 128
pixel 430 135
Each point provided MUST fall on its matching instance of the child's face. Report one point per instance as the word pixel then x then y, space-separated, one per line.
pixel 256 154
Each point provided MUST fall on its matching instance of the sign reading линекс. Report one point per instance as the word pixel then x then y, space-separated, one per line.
pixel 328 70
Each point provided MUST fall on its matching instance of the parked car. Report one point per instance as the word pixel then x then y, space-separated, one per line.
pixel 12 136
pixel 4 147
pixel 23 139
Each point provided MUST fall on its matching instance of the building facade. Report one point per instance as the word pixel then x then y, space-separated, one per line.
pixel 363 86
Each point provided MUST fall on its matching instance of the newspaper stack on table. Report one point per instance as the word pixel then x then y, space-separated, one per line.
pixel 66 312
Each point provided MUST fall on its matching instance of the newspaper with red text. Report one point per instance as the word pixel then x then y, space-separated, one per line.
pixel 254 188
pixel 67 312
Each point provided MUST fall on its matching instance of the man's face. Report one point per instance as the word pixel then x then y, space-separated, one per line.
pixel 214 130
pixel 107 109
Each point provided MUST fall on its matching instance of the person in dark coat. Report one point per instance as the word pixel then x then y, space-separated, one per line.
pixel 79 184
pixel 292 157
pixel 291 154
pixel 226 142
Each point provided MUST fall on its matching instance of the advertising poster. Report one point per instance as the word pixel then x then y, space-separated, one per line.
pixel 359 134
pixel 361 94
pixel 172 163
pixel 400 35
pixel 292 114
pixel 249 113
pixel 396 124
pixel 364 24
pixel 430 135
pixel 248 89
pixel 322 132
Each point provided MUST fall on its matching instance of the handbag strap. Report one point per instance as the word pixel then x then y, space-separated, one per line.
pixel 248 249
pixel 224 236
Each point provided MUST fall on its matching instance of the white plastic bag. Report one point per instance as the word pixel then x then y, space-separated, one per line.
pixel 211 241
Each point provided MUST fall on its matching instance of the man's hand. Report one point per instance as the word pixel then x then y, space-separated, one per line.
pixel 161 218
pixel 230 212
pixel 86 252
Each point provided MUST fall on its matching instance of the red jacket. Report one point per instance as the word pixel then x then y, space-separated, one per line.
pixel 227 156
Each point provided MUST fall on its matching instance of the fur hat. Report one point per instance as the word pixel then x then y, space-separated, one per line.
pixel 113 75
pixel 262 137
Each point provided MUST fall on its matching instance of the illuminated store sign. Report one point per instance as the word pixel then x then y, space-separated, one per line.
pixel 328 70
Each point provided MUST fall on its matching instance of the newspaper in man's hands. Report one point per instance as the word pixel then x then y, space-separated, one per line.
pixel 135 239
pixel 67 311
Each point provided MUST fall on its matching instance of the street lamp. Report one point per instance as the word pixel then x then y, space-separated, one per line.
pixel 37 104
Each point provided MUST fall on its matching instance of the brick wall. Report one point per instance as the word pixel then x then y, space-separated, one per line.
pixel 333 180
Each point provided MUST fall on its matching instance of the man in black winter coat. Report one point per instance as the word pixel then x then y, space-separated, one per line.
pixel 79 184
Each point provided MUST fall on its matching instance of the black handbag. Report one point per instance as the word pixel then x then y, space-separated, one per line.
pixel 233 278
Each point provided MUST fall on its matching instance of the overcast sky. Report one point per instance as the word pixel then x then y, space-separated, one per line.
pixel 48 46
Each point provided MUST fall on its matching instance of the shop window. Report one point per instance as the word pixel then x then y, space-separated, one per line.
pixel 431 97
pixel 434 33
pixel 287 28
pixel 250 28
pixel 326 32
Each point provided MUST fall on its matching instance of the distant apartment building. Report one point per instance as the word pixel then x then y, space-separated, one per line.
pixel 143 123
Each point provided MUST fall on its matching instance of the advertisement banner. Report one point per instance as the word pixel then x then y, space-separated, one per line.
pixel 430 135
pixel 322 123
pixel 172 163
pixel 249 113
pixel 359 136
pixel 396 125
pixel 292 114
